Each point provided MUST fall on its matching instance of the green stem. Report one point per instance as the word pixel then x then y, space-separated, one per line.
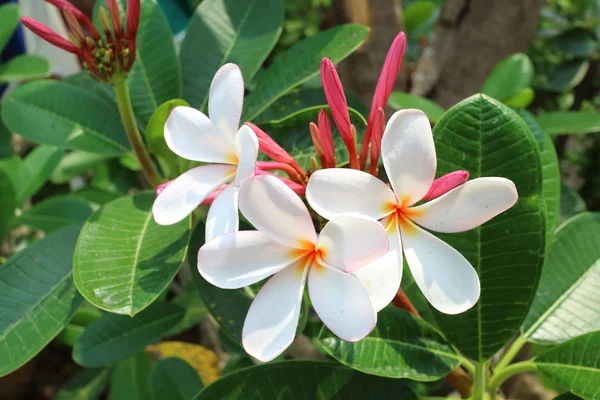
pixel 133 134
pixel 511 353
pixel 501 375
pixel 467 364
pixel 479 380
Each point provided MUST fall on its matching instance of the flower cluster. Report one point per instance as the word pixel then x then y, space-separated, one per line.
pixel 353 267
pixel 104 57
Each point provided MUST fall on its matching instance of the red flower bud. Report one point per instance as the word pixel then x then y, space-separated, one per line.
pixel 444 184
pixel 49 35
pixel 326 138
pixel 376 136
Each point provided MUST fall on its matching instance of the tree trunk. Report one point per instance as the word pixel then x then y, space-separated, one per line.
pixel 470 38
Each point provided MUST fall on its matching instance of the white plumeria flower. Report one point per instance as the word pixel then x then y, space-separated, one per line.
pixel 192 135
pixel 287 245
pixel 444 276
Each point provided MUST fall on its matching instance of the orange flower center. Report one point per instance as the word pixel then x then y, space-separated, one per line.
pixel 403 214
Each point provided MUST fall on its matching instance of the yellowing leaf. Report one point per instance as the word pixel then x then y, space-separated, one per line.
pixel 203 360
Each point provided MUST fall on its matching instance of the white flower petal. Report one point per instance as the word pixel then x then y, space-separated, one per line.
pixel 351 242
pixel 335 191
pixel 186 192
pixel 223 214
pixel 225 101
pixel 467 206
pixel 275 210
pixel 382 277
pixel 272 319
pixel 239 259
pixel 342 302
pixel 246 144
pixel 444 276
pixel 190 134
pixel 408 155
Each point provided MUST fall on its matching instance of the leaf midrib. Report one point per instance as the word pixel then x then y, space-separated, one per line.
pixel 138 248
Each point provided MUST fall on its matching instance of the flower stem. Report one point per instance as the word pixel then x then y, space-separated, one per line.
pixel 512 351
pixel 133 134
pixel 501 375
pixel 479 381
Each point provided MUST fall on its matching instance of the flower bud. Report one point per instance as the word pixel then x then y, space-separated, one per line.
pixel 444 184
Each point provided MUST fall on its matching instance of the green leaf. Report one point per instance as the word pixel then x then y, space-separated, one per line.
pixel 55 213
pixel 479 135
pixel 36 170
pixel 300 63
pixel 64 115
pixel 38 297
pixel 577 42
pixel 95 196
pixel 567 303
pixel 194 307
pixel 6 146
pixel 567 396
pixel 8 204
pixel 402 100
pixel 574 365
pixel 74 164
pixel 521 99
pixel 418 13
pixel 174 379
pixel 567 75
pixel 155 133
pixel 305 380
pixel 124 260
pixel 570 122
pixel 550 172
pixel 155 76
pixel 113 337
pixel 9 19
pixel 86 384
pixel 511 76
pixel 571 203
pixel 130 379
pixel 221 31
pixel 24 67
pixel 401 346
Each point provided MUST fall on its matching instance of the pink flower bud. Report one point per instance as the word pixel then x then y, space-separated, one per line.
pixel 376 136
pixel 133 18
pixel 315 135
pixel 444 184
pixel 326 138
pixel 49 35
pixel 159 189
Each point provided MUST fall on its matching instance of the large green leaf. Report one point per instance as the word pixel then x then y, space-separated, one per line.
pixel 304 380
pixel 124 260
pixel 567 303
pixel 174 379
pixel 24 67
pixel 222 31
pixel 402 100
pixel 567 75
pixel 300 63
pixel 569 122
pixel 130 379
pixel 550 172
pixel 38 297
pixel 36 170
pixel 577 42
pixel 8 203
pixel 155 76
pixel 401 346
pixel 113 337
pixel 9 19
pixel 65 115
pixel 487 138
pixel 510 77
pixel 571 203
pixel 574 365
pixel 55 213
pixel 87 384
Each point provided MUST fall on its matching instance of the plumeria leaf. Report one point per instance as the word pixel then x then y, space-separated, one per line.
pixel 55 213
pixel 570 122
pixel 567 303
pixel 86 384
pixel 9 19
pixel 204 361
pixel 8 203
pixel 296 380
pixel 174 379
pixel 300 63
pixel 24 67
pixel 221 31
pixel 189 299
pixel 550 172
pixel 401 100
pixel 509 77
pixel 38 297
pixel 401 346
pixel 574 365
pixel 35 170
pixel 113 337
pixel 124 260
pixel 130 378
pixel 64 115
pixel 75 163
pixel 479 135
pixel 567 75
pixel 571 203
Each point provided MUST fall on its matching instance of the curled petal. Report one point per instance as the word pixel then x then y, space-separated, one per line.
pixel 376 136
pixel 341 302
pixel 408 155
pixel 246 145
pixel 49 35
pixel 272 320
pixel 467 206
pixel 326 139
pixel 444 184
pixel 225 101
pixel 239 259
pixel 351 242
pixel 275 210
pixel 223 216
pixel 336 191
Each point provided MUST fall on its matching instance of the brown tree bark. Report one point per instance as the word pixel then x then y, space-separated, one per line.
pixel 470 38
